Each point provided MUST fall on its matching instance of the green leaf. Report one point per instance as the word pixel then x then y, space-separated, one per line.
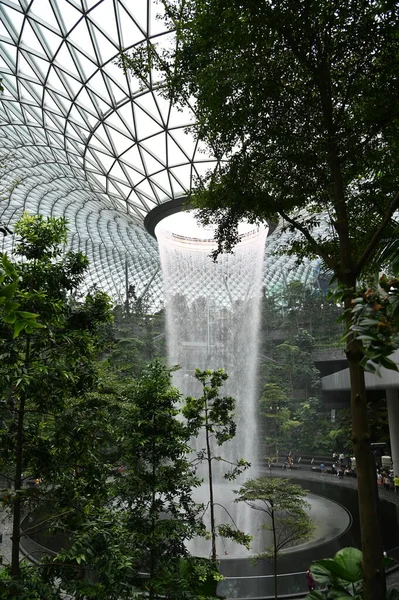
pixel 346 565
pixel 18 327
pixel 27 315
pixel 9 290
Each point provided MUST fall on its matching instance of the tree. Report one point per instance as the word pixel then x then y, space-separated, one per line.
pixel 48 347
pixel 283 503
pixel 155 492
pixel 276 417
pixel 213 415
pixel 299 99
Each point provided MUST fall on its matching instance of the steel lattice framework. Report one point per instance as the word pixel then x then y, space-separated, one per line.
pixel 80 138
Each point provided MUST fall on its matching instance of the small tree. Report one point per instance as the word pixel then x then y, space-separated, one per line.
pixel 213 414
pixel 283 503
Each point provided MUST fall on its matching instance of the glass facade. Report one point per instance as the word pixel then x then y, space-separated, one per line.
pixel 82 139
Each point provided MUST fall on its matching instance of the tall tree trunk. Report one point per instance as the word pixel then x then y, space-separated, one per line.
pixel 274 555
pixel 210 478
pixel 17 504
pixel 374 586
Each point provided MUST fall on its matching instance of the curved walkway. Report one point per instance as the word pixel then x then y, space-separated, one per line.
pixel 303 474
pixel 349 482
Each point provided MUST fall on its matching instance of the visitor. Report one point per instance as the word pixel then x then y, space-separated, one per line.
pixel 310 581
pixel 396 484
pixel 322 468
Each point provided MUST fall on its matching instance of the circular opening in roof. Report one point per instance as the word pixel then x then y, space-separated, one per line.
pixel 184 227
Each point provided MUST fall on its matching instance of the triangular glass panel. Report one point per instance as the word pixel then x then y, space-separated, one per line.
pixel 116 93
pixel 130 33
pixel 100 180
pixel 51 40
pixel 15 17
pixel 145 125
pixel 180 178
pixel 85 67
pixel 151 164
pixel 183 141
pixel 116 75
pixel 114 122
pixel 103 19
pixel 157 146
pixel 100 139
pixel 134 176
pixel 64 60
pixel 43 12
pixel 148 104
pixel 117 173
pixel 99 88
pixel 140 13
pixel 81 39
pixel 91 103
pixel 30 40
pixel 25 92
pixel 126 114
pixel 175 153
pixel 125 190
pixel 121 142
pixel 55 83
pixel 76 117
pixel 105 160
pixel 39 65
pixel 161 180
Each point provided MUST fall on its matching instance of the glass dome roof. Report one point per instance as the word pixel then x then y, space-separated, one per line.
pixel 80 138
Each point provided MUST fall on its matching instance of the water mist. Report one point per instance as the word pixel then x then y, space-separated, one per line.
pixel 212 322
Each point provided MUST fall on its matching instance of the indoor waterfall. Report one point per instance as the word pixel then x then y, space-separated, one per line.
pixel 212 322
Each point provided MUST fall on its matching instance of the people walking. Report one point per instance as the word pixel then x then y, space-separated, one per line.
pixel 310 581
pixel 396 484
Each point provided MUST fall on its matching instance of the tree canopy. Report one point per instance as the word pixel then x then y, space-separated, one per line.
pixel 298 101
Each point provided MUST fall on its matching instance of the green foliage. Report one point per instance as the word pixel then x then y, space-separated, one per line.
pixel 30 586
pixel 285 507
pixel 211 411
pixel 342 575
pixel 284 503
pixel 213 415
pixel 154 496
pixel 44 363
pixel 285 92
pixel 95 564
pixel 375 321
pixel 9 308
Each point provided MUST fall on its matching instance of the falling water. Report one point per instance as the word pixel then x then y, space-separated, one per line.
pixel 212 322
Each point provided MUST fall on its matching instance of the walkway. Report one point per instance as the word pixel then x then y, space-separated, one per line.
pixel 303 474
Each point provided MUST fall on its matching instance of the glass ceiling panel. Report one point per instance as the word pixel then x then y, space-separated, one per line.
pixel 80 138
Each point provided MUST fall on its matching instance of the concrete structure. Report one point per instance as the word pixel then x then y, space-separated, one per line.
pixel 388 381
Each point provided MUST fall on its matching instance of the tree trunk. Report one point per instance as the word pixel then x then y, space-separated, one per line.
pixel 16 518
pixel 211 500
pixel 373 573
pixel 274 555
pixel 17 504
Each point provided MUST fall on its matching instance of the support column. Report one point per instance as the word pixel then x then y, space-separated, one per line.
pixel 393 419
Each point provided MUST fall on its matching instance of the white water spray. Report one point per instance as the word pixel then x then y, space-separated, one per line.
pixel 212 322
